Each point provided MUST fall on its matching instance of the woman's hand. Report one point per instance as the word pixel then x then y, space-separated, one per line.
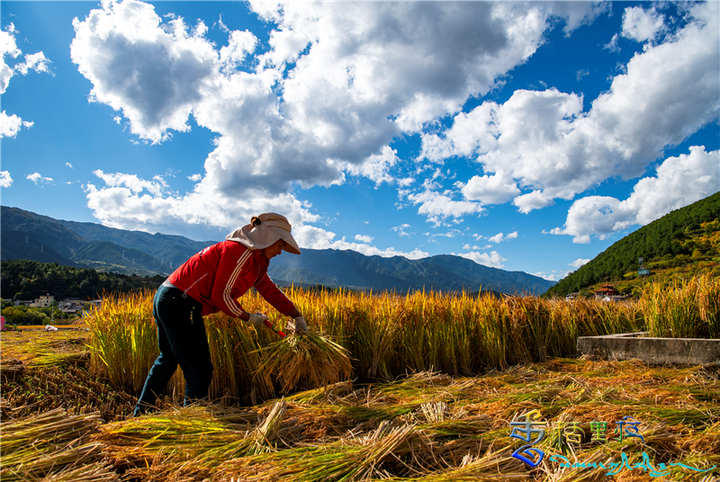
pixel 257 319
pixel 300 326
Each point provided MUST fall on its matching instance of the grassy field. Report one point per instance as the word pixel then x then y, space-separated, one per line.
pixel 439 387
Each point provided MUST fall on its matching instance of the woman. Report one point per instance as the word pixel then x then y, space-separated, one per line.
pixel 211 281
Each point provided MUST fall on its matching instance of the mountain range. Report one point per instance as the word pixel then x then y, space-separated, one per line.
pixel 27 235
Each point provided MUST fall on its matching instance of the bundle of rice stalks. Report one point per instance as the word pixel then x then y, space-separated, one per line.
pixel 304 362
pixel 52 445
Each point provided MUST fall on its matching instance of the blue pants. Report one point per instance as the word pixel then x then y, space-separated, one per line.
pixel 183 341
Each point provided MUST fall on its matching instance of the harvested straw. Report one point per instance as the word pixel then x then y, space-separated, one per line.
pixel 304 362
pixel 73 388
pixel 50 445
pixel 40 349
pixel 493 466
pixel 362 459
pixel 94 472
pixel 192 440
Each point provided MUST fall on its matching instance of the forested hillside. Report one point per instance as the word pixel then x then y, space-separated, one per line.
pixel 686 236
pixel 27 280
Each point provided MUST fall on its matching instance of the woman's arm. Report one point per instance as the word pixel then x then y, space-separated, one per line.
pixel 294 313
pixel 282 303
pixel 269 290
pixel 231 281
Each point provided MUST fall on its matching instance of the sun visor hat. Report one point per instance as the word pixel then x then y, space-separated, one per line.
pixel 265 230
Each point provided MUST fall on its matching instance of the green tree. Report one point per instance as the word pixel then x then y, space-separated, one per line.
pixel 24 315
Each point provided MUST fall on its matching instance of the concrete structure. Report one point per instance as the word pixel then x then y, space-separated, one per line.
pixel 653 351
pixel 71 305
pixel 44 301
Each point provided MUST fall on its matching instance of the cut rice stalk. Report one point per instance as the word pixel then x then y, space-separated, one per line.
pixel 329 394
pixel 191 440
pixel 95 472
pixel 46 443
pixel 266 433
pixel 361 460
pixel 494 466
pixel 304 362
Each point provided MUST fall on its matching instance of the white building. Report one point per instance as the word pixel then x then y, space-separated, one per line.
pixel 44 301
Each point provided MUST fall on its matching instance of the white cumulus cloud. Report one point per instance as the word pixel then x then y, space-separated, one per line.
pixel 239 45
pixel 317 238
pixel 679 181
pixel 579 262
pixel 38 179
pixel 8 48
pixel 10 125
pixel 500 237
pixel 403 229
pixel 641 25
pixel 153 75
pixel 438 207
pixel 5 179
pixel 493 260
pixel 37 62
pixel 539 146
pixel 338 83
pixel 498 188
pixel 551 276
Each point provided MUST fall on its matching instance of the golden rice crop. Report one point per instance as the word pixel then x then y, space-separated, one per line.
pixel 683 309
pixel 389 335
pixel 123 339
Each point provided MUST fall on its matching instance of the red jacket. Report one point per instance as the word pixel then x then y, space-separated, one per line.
pixel 219 274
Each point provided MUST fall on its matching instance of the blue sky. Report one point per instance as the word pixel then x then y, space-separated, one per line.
pixel 524 136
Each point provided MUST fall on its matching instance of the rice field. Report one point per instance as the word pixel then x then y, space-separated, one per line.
pixel 387 336
pixel 435 388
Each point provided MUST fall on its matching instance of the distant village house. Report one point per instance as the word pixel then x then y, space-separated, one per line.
pixel 44 301
pixel 606 290
pixel 608 293
pixel 71 306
